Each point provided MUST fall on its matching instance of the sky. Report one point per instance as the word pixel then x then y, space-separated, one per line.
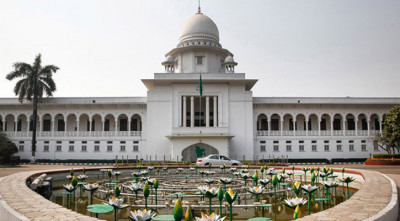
pixel 314 48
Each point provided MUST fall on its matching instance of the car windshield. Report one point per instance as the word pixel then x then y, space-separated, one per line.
pixel 224 158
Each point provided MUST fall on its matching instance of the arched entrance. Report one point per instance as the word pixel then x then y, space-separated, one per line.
pixel 198 150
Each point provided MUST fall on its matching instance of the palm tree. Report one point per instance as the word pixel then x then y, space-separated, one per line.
pixel 35 81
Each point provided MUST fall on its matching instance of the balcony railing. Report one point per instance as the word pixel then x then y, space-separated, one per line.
pixel 75 133
pixel 363 133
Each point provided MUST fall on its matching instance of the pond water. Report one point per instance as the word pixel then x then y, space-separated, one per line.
pixel 187 182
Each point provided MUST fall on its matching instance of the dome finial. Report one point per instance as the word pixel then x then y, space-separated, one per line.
pixel 199 9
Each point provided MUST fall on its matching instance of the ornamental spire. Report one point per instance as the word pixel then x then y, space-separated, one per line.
pixel 199 8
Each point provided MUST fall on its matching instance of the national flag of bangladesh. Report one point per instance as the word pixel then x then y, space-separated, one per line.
pixel 200 86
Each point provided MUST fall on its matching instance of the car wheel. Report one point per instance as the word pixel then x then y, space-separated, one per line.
pixel 206 164
pixel 234 164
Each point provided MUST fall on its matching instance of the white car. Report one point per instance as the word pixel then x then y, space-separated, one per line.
pixel 216 159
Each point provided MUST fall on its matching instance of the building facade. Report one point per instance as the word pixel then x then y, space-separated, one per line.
pixel 175 122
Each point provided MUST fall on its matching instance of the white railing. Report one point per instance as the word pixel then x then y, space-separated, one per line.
pixel 313 133
pixel 351 133
pixel 74 133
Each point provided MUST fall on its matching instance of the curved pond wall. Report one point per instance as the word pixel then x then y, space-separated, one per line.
pixel 376 199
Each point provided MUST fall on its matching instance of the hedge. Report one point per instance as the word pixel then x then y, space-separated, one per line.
pixel 386 155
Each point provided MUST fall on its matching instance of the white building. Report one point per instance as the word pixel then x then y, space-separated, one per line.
pixel 173 120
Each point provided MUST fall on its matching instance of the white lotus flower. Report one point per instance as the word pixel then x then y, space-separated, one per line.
pixel 211 190
pixel 289 173
pixel 245 171
pixel 135 186
pixel 225 180
pixel 233 168
pixel 69 187
pixel 68 177
pixel 136 174
pixel 330 183
pixel 150 181
pixel 150 168
pixel 117 203
pixel 309 188
pixel 293 202
pixel 103 170
pixel 82 177
pixel 90 187
pixel 116 173
pixel 144 215
pixel 212 217
pixel 236 174
pixel 144 172
pixel 209 180
pixel 192 168
pixel 180 169
pixel 256 190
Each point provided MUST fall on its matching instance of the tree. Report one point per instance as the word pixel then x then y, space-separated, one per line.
pixel 389 139
pixel 391 128
pixel 7 149
pixel 36 80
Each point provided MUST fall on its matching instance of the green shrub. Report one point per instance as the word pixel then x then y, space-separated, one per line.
pixel 386 155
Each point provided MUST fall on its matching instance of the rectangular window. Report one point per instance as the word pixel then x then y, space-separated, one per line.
pixel 46 148
pixel 339 148
pixel 97 148
pixel 122 149
pixel 199 60
pixel 46 125
pixel 326 148
pixel 59 142
pixel 364 124
pixel 58 149
pixel 351 141
pixel 71 142
pixel 21 148
pixel 314 148
pixel 263 141
pixel 84 148
pixel 301 148
pixel 376 147
pixel 363 141
pixel 276 141
pixel 326 141
pixel 363 147
pixel 276 148
pixel 21 142
pixel 288 148
pixel 314 141
pixel 338 141
pixel 135 142
pixel 84 142
pixel 262 148
pixel 109 142
pixel 122 142
pixel 46 142
pixel 351 125
pixel 71 149
pixel 377 126
pixel 301 141
pixel 135 148
pixel 123 124
pixel 107 125
pixel 109 148
pixel 97 142
pixel 351 147
pixel 288 141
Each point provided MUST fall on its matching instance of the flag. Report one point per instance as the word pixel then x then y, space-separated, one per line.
pixel 200 86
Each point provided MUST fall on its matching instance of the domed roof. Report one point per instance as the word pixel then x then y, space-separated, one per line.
pixel 170 59
pixel 198 27
pixel 229 59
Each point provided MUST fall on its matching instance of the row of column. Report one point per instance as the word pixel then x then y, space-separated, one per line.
pixel 65 125
pixel 192 111
pixel 319 127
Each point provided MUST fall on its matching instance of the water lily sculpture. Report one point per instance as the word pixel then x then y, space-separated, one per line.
pixel 222 167
pixel 294 202
pixel 69 188
pixel 209 192
pixel 155 185
pixel 328 185
pixel 309 190
pixel 144 172
pixel 220 197
pixel 117 204
pixel 178 211
pixel 305 169
pixel 245 176
pixel 233 169
pixel 117 191
pixel 324 175
pixel 146 193
pixel 135 187
pixel 209 181
pixel 274 182
pixel 264 181
pixel 212 217
pixel 296 188
pixel 255 178
pixel 109 173
pixel 82 177
pixel 230 197
pixel 91 188
pixel 236 174
pixel 347 180
pixel 271 172
pixel 188 214
pixel 257 190
pixel 225 181
pixel 139 215
pixel 313 178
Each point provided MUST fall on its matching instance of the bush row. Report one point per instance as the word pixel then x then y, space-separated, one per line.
pixel 386 155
